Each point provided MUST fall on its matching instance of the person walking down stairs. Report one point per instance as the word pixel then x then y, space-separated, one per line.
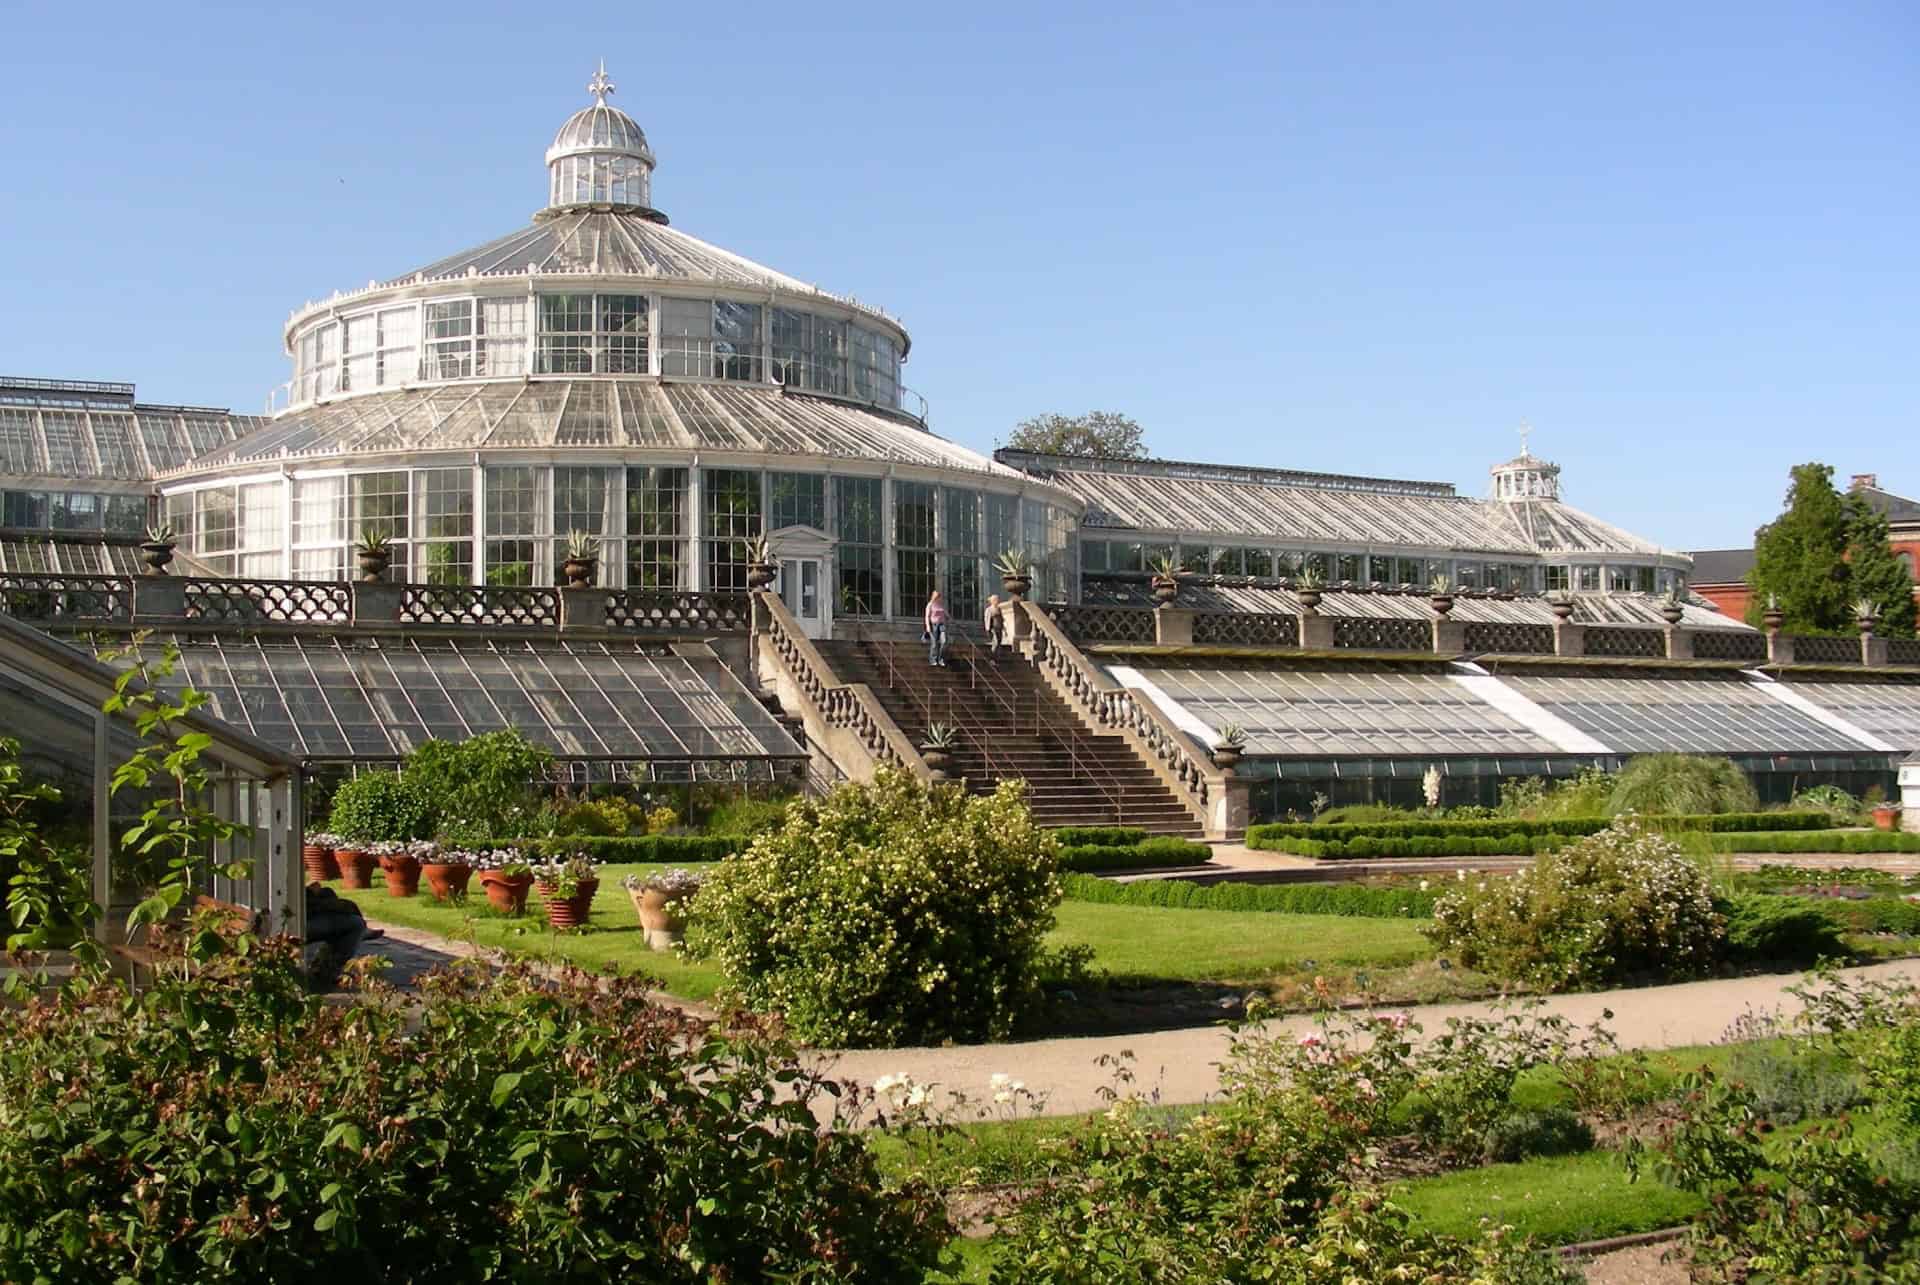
pixel 996 626
pixel 936 629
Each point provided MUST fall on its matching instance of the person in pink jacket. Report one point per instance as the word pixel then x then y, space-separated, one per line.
pixel 936 629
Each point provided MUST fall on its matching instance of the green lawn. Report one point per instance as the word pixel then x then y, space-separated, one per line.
pixel 1132 943
pixel 1153 943
pixel 1559 1199
pixel 615 937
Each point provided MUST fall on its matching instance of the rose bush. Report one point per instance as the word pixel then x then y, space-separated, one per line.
pixel 1621 904
pixel 886 913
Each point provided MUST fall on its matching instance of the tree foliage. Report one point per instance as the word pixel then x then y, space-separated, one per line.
pixel 1822 554
pixel 1101 433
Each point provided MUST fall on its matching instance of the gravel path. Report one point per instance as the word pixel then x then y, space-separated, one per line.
pixel 1183 1066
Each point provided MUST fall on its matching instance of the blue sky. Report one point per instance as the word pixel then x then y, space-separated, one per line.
pixel 1676 239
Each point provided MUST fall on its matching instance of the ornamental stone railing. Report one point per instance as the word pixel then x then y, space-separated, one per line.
pixel 1213 795
pixel 668 610
pixel 1903 651
pixel 512 605
pixel 1729 644
pixel 1376 633
pixel 1105 624
pixel 1246 629
pixel 1507 638
pixel 1624 641
pixel 294 601
pixel 846 718
pixel 48 597
pixel 1810 650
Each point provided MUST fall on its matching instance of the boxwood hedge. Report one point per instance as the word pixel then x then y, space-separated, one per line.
pixel 669 849
pixel 1146 854
pixel 1263 836
pixel 1349 899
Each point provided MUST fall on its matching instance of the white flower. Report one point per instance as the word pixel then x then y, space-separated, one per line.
pixel 917 1097
pixel 998 1080
pixel 886 1083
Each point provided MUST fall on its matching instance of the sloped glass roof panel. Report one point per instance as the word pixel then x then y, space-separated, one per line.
pixel 1347 713
pixel 339 697
pixel 1705 715
pixel 1888 710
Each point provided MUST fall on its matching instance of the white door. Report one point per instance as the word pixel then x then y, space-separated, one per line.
pixel 800 590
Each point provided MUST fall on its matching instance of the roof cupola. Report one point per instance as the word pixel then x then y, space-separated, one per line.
pixel 600 159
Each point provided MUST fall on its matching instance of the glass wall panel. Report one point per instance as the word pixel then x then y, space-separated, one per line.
pixel 736 340
pixel 875 367
pixel 623 334
pixel 360 358
pixel 861 584
pixel 214 517
pixel 443 509
pixel 501 348
pixel 180 514
pixel 1559 578
pixel 686 337
pixel 19 448
pixel 579 504
pixel 1093 555
pixel 797 499
pixel 566 335
pixel 809 352
pixel 399 346
pixel 857 503
pixel 320 511
pixel 75 511
pixel 1587 577
pixel 377 504
pixel 731 517
pixel 656 528
pixel 125 513
pixel 261 530
pixel 449 339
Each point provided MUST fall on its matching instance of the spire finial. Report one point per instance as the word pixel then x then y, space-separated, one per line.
pixel 600 86
pixel 1526 431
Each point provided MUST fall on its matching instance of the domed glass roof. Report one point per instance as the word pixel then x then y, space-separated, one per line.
pixel 600 158
pixel 600 128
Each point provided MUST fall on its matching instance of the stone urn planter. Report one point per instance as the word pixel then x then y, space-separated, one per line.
pixel 1442 603
pixel 580 572
pixel 1562 611
pixel 356 867
pixel 1165 590
pixel 156 554
pixel 1016 587
pixel 403 874
pixel 1772 618
pixel 761 574
pixel 569 912
pixel 506 893
pixel 1309 598
pixel 1225 757
pixel 1671 613
pixel 317 860
pixel 373 564
pixel 1886 816
pixel 663 916
pixel 446 880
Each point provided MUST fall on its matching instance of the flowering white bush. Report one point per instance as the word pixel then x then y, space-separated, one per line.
pixel 886 914
pixel 1623 903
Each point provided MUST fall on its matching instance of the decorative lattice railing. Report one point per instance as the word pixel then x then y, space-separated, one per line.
pixel 1371 633
pixel 1808 650
pixel 1622 640
pixel 1729 644
pixel 1247 629
pixel 239 601
pixel 1104 624
pixel 665 611
pixel 1507 638
pixel 480 605
pixel 36 596
pixel 1903 651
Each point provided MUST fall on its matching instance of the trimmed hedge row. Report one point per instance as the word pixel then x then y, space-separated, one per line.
pixel 1825 841
pixel 668 849
pixel 1346 899
pixel 1262 836
pixel 1100 836
pixel 1419 845
pixel 1146 854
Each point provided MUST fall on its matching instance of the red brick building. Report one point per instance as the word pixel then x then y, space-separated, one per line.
pixel 1720 575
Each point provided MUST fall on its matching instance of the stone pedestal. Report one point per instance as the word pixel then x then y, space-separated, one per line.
pixel 159 598
pixel 1173 626
pixel 1569 639
pixel 1679 643
pixel 1449 636
pixel 1019 626
pixel 584 609
pixel 1779 648
pixel 1873 650
pixel 377 602
pixel 1316 631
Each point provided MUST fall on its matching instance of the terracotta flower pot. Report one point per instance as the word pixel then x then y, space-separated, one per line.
pixel 504 892
pixel 319 862
pixel 663 918
pixel 1886 818
pixel 569 912
pixel 356 867
pixel 447 879
pixel 403 875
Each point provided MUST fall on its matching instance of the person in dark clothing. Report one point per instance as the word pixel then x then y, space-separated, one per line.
pixel 335 929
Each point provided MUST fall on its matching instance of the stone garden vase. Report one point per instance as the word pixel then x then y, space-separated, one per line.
pixel 663 918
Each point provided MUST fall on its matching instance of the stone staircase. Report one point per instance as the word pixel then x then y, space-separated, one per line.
pixel 1010 723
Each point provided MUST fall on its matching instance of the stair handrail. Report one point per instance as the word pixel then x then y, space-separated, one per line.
pixel 899 680
pixel 851 706
pixel 1078 739
pixel 1121 708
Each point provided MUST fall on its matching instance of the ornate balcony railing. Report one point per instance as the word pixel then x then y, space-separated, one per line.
pixel 1508 638
pixel 1105 624
pixel 293 601
pixel 480 605
pixel 666 611
pixel 1620 640
pixel 1826 651
pixel 1903 651
pixel 1378 634
pixel 1729 644
pixel 1247 629
pixel 34 596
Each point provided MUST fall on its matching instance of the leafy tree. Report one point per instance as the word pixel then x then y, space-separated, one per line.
pixel 1874 570
pixel 1101 433
pixel 1801 558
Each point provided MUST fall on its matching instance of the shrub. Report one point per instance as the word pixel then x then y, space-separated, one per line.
pixel 1536 799
pixel 1288 898
pixel 512 1128
pixel 1101 836
pixel 484 786
pixel 886 913
pixel 1681 783
pixel 639 849
pixel 1527 1132
pixel 1363 813
pixel 1842 807
pixel 1620 904
pixel 381 806
pixel 1764 929
pixel 1862 841
pixel 747 817
pixel 1147 854
pixel 608 817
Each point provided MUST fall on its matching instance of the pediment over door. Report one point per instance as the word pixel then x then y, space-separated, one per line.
pixel 800 542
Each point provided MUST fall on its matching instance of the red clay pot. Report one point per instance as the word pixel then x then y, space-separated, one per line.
pixel 447 879
pixel 356 867
pixel 319 862
pixel 569 912
pixel 503 893
pixel 403 875
pixel 1886 818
